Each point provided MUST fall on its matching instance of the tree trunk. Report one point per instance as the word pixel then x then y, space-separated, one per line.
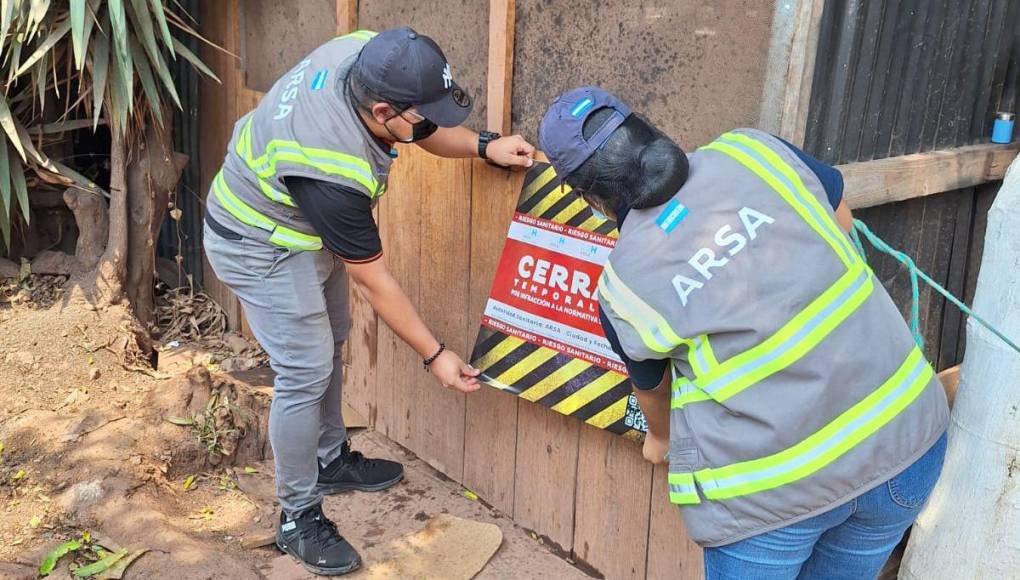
pixel 104 285
pixel 93 219
pixel 139 195
pixel 151 178
pixel 971 526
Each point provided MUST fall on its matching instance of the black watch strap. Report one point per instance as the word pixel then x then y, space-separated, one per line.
pixel 484 138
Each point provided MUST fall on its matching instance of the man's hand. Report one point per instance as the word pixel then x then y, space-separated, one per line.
pixel 453 373
pixel 511 151
pixel 655 449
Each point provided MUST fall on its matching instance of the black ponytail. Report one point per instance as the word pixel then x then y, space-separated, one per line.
pixel 637 167
pixel 663 172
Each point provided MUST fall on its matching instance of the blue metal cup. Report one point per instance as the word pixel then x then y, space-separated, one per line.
pixel 1002 131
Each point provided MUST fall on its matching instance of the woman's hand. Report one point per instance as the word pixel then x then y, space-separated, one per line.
pixel 452 372
pixel 655 449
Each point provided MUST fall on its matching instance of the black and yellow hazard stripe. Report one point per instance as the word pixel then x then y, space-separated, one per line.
pixel 542 375
pixel 544 196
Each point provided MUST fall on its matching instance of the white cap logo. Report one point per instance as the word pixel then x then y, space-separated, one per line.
pixel 447 76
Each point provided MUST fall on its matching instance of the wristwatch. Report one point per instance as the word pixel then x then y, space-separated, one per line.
pixel 484 138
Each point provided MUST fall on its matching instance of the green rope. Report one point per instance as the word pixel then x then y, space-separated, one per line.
pixel 915 273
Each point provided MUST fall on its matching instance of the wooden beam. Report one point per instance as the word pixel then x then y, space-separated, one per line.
pixel 346 16
pixel 502 14
pixel 871 183
pixel 790 69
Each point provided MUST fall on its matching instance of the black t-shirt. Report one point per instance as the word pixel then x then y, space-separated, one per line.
pixel 647 374
pixel 342 216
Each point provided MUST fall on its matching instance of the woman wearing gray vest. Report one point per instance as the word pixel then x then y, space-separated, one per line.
pixel 289 216
pixel 803 427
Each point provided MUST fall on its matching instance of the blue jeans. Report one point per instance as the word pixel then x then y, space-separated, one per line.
pixel 852 541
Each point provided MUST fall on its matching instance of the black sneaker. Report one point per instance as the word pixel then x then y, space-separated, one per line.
pixel 354 471
pixel 315 542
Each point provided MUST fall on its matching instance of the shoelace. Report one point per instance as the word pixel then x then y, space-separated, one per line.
pixel 355 459
pixel 323 530
pixel 359 461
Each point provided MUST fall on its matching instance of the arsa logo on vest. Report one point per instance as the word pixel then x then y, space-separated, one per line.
pixel 297 76
pixel 726 239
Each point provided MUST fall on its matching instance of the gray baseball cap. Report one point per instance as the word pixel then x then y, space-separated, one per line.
pixel 403 67
pixel 561 133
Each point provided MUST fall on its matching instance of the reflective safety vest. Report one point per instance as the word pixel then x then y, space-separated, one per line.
pixel 304 126
pixel 796 383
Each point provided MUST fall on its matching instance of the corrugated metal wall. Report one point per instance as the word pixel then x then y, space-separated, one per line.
pixel 185 237
pixel 901 76
pixel 894 77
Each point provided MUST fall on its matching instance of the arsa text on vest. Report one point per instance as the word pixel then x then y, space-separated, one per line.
pixel 728 244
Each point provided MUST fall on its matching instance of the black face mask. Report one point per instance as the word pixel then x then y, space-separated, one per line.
pixel 423 130
pixel 419 131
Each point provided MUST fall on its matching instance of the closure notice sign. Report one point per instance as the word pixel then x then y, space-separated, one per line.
pixel 541 339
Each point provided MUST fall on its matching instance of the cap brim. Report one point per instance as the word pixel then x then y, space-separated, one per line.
pixel 446 112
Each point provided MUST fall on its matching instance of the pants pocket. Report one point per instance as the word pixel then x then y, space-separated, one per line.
pixel 911 488
pixel 261 258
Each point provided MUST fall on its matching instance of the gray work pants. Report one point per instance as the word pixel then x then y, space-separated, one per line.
pixel 296 304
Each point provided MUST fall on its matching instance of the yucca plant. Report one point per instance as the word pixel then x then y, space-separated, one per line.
pixel 74 64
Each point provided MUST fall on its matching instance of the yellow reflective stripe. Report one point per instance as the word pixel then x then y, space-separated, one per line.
pixel 237 208
pixel 826 445
pixel 246 214
pixel 741 156
pixel 709 354
pixel 653 329
pixel 700 356
pixel 682 490
pixel 277 196
pixel 557 379
pixel 792 178
pixel 685 393
pixel 610 414
pixel 240 148
pixel 794 340
pixel 589 392
pixel 365 35
pixel 289 238
pixel 324 160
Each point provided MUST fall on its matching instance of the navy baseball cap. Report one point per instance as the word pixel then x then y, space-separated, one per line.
pixel 561 134
pixel 403 67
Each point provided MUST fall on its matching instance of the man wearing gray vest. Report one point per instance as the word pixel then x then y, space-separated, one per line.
pixel 290 216
pixel 803 425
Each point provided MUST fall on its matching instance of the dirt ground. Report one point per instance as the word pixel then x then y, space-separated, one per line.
pixel 95 445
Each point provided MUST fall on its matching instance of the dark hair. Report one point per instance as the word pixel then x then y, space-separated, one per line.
pixel 637 167
pixel 364 98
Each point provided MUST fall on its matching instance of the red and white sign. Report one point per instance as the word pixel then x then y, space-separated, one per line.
pixel 545 289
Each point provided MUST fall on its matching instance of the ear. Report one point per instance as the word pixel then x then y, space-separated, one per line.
pixel 381 112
